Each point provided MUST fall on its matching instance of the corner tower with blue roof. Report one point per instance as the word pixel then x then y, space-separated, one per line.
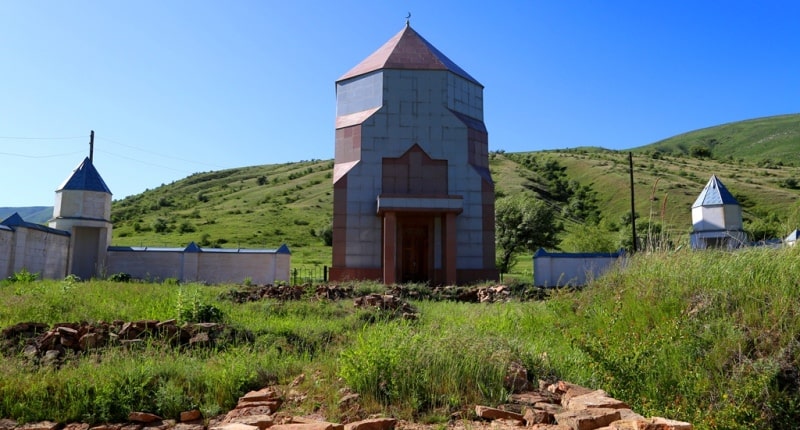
pixel 413 196
pixel 717 218
pixel 83 208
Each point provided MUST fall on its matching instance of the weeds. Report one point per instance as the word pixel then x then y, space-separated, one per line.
pixel 705 337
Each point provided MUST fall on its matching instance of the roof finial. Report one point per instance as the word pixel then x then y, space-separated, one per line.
pixel 408 18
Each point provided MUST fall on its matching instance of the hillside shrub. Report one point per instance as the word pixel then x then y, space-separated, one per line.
pixel 790 183
pixel 325 233
pixel 160 225
pixel 700 151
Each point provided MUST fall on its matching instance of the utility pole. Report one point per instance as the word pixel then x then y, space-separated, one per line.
pixel 633 207
pixel 91 146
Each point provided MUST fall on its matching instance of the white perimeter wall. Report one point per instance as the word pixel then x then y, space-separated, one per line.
pixel 6 239
pixel 559 270
pixel 261 268
pixel 35 251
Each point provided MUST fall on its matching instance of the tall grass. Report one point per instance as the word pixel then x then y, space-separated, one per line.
pixel 415 371
pixel 707 337
pixel 710 337
pixel 106 386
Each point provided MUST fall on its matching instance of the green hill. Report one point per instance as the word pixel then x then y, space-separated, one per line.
pixel 36 214
pixel 268 205
pixel 771 140
pixel 249 207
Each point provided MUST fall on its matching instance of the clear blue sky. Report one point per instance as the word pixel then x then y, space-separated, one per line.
pixel 176 87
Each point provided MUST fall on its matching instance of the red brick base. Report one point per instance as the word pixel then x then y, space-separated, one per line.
pixel 471 276
pixel 346 274
pixel 464 276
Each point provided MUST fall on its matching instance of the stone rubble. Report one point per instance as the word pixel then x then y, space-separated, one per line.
pixel 483 294
pixel 559 406
pixel 386 302
pixel 49 345
pixel 566 406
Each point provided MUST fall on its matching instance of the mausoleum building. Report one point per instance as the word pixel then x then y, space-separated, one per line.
pixel 413 195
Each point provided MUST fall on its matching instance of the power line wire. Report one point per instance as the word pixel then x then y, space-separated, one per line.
pixel 142 162
pixel 41 138
pixel 40 156
pixel 160 155
pixel 106 152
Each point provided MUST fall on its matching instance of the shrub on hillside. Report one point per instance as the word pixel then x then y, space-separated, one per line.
pixel 325 233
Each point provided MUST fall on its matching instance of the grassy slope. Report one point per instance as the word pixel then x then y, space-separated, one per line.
pixel 705 337
pixel 297 197
pixel 757 139
pixel 230 209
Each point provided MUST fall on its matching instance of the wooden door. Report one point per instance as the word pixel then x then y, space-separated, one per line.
pixel 414 254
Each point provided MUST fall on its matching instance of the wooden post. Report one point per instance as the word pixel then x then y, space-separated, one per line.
pixel 633 207
pixel 91 146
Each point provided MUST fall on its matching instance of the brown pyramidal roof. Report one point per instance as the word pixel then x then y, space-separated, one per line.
pixel 406 50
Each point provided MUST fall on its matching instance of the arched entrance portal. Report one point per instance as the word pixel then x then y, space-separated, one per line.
pixel 419 246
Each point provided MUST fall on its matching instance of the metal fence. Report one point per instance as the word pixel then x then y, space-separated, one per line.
pixel 313 275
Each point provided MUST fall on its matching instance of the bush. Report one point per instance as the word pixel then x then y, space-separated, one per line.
pixel 201 312
pixel 204 240
pixel 160 225
pixel 700 151
pixel 325 233
pixel 23 276
pixel 790 183
pixel 120 277
pixel 72 278
pixel 191 308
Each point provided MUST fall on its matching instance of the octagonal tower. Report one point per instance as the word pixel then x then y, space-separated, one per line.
pixel 413 195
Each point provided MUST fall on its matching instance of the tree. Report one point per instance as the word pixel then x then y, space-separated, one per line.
pixel 700 151
pixel 160 225
pixel 325 232
pixel 582 204
pixel 523 223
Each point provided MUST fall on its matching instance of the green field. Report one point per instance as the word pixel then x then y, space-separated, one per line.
pixel 705 337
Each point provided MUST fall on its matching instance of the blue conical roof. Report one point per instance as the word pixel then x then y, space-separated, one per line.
pixel 15 220
pixel 86 178
pixel 715 194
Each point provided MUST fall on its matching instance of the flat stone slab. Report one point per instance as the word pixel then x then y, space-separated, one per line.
pixel 497 414
pixel 372 424
pixel 234 426
pixel 587 419
pixel 595 399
